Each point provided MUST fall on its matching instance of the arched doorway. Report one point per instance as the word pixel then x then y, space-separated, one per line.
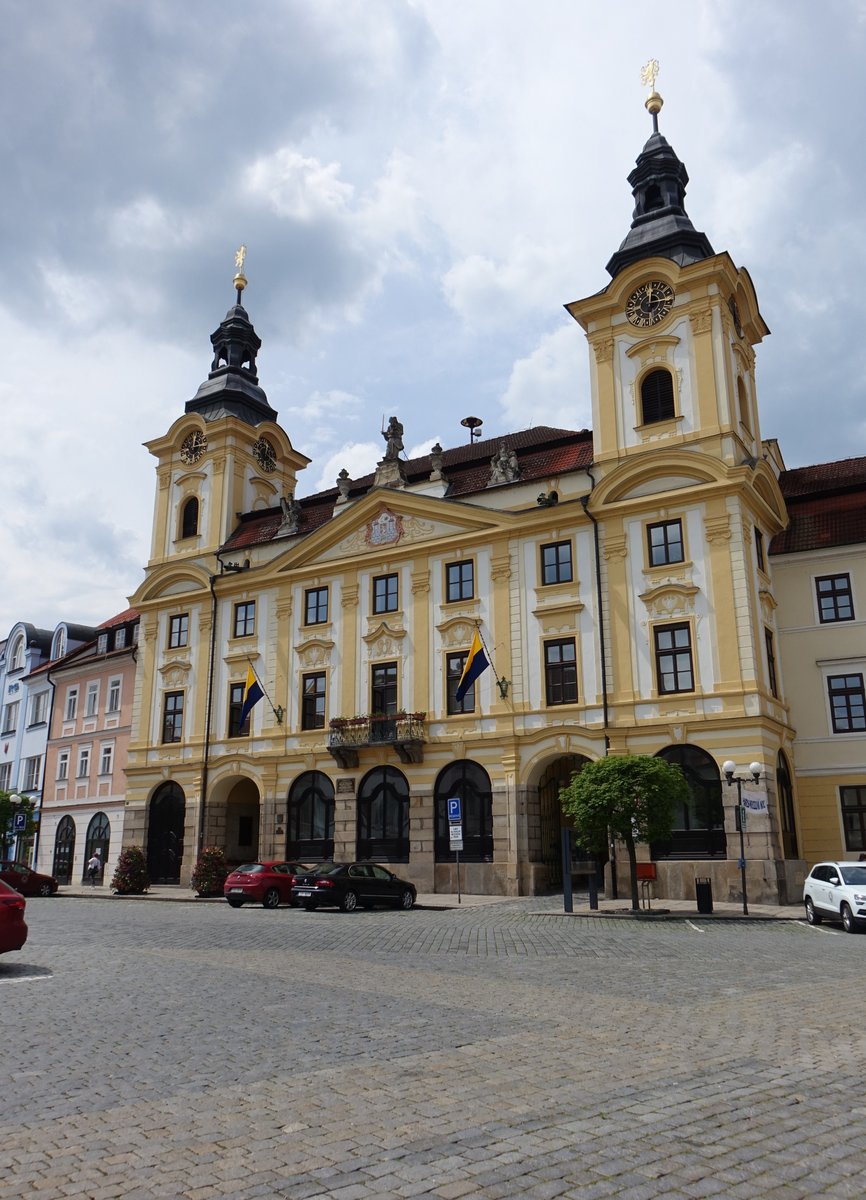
pixel 165 834
pixel 64 850
pixel 383 815
pixel 786 808
pixel 98 838
pixel 242 823
pixel 471 783
pixel 551 818
pixel 310 830
pixel 699 824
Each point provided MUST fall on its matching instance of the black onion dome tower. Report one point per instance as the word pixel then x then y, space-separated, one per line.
pixel 232 387
pixel 660 224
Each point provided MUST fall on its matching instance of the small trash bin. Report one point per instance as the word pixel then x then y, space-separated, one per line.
pixel 704 895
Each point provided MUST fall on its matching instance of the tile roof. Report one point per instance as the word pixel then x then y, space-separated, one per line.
pixel 542 452
pixel 826 506
pixel 128 614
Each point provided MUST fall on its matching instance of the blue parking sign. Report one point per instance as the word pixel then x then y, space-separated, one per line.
pixel 454 809
pixel 19 822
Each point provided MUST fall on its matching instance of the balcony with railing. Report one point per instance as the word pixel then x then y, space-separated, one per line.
pixel 406 732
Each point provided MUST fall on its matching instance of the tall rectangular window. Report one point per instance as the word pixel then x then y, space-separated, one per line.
pixel 83 769
pixel 5 776
pixel 385 594
pixel 113 702
pixel 313 700
pixel 665 543
pixel 847 703
pixel 32 773
pixel 556 563
pixel 316 606
pixel 120 638
pixel 459 581
pixel 39 709
pixel 771 662
pixel 383 689
pixel 178 631
pixel 759 549
pixel 10 716
pixel 91 703
pixel 560 671
pixel 172 717
pixel 853 800
pixel 673 652
pixel 106 760
pixel 236 703
pixel 245 619
pixel 835 602
pixel 454 664
pixel 71 709
pixel 63 764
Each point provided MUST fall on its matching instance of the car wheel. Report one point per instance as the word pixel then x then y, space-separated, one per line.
pixel 349 902
pixel 407 899
pixel 271 898
pixel 45 889
pixel 811 915
pixel 234 902
pixel 848 919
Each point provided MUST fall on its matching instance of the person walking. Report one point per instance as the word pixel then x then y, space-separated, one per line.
pixel 94 868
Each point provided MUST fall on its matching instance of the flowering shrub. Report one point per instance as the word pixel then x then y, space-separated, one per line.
pixel 130 876
pixel 209 873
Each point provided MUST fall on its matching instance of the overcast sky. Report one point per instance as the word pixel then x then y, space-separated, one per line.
pixel 421 185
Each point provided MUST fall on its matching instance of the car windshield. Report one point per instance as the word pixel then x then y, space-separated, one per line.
pixel 326 868
pixel 250 869
pixel 855 876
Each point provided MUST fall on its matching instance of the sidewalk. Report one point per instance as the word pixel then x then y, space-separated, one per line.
pixel 547 906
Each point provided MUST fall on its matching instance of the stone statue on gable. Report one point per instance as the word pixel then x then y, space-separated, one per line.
pixel 503 466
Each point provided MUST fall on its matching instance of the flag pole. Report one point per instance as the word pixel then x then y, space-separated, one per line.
pixel 278 711
pixel 503 684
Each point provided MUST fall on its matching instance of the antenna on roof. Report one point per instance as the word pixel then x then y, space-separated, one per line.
pixel 473 424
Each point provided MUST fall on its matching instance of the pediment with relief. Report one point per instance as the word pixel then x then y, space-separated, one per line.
pixel 383 640
pixel 670 599
pixel 174 672
pixel 456 631
pixel 315 652
pixel 390 528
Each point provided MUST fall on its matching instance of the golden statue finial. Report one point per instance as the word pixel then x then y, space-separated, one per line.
pixel 648 76
pixel 240 280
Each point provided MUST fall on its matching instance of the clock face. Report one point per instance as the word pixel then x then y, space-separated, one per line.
pixel 265 454
pixel 649 304
pixel 193 447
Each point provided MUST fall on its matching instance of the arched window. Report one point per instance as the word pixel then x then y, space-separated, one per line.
pixel 64 850
pixel 786 808
pixel 98 838
pixel 310 833
pixel 59 647
pixel 471 783
pixel 17 657
pixel 699 825
pixel 383 815
pixel 189 518
pixel 657 397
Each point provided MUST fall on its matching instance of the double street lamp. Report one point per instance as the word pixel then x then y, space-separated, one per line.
pixel 729 768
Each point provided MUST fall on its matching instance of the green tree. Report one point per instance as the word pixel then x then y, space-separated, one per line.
pixel 632 796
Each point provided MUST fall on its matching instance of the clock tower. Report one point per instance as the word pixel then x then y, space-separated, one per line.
pixel 226 454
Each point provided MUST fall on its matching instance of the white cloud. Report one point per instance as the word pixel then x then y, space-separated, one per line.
pixel 298 187
pixel 549 386
pixel 358 458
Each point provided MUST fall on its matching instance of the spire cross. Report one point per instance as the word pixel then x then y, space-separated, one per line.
pixel 240 280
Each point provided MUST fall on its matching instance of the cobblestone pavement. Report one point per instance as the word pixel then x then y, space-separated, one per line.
pixel 193 1051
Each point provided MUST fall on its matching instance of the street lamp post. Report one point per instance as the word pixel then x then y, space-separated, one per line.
pixel 729 768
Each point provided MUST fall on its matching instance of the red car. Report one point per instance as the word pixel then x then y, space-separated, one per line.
pixel 265 883
pixel 27 882
pixel 13 929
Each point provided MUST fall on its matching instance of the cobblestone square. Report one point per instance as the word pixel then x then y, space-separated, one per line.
pixel 193 1051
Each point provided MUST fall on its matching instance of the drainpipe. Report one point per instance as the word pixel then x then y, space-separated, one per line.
pixel 584 500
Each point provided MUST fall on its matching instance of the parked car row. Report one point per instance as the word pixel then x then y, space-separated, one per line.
pixel 346 886
pixel 29 883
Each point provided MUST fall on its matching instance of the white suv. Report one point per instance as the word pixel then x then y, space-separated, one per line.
pixel 837 891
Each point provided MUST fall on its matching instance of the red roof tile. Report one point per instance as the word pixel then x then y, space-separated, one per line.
pixel 807 481
pixel 821 522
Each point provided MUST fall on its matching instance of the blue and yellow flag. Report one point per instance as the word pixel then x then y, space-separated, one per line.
pixel 252 695
pixel 476 662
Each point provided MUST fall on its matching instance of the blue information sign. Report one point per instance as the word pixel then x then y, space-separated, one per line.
pixel 454 809
pixel 19 823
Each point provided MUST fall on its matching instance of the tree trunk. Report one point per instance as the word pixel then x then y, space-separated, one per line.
pixel 632 870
